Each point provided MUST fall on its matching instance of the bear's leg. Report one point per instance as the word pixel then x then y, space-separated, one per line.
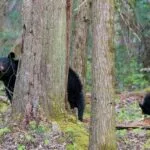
pixel 80 106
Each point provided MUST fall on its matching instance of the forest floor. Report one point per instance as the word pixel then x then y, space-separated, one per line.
pixel 128 114
pixel 132 130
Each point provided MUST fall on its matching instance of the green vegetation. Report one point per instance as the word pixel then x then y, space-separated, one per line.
pixel 21 147
pixel 38 128
pixel 128 45
pixel 128 75
pixel 4 131
pixel 76 135
pixel 129 112
pixel 121 133
pixel 12 29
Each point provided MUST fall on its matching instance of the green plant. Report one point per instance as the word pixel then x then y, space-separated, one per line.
pixel 129 112
pixel 128 75
pixel 4 131
pixel 21 147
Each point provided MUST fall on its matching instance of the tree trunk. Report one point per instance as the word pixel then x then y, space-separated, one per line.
pixel 68 35
pixel 54 75
pixel 2 8
pixel 79 43
pixel 2 12
pixel 102 133
pixel 41 77
pixel 146 52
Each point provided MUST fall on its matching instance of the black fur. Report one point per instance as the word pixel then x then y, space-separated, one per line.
pixel 145 106
pixel 8 71
pixel 75 94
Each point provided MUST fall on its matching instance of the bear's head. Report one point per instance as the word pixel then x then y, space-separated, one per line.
pixel 8 66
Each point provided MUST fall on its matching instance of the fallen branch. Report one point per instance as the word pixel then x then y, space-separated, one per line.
pixel 141 124
pixel 132 127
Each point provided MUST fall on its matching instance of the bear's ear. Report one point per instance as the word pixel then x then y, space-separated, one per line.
pixel 11 55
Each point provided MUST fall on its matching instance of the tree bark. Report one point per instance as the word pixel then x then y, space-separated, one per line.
pixel 68 35
pixel 145 55
pixel 79 43
pixel 41 76
pixel 102 133
pixel 2 12
pixel 54 75
pixel 2 9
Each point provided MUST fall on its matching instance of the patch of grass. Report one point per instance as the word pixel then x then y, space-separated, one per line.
pixel 41 128
pixel 3 107
pixel 71 147
pixel 137 131
pixel 76 134
pixel 147 145
pixel 21 147
pixel 121 133
pixel 46 142
pixel 129 112
pixel 29 138
pixel 32 125
pixel 4 131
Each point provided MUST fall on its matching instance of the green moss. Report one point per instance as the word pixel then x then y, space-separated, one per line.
pixel 147 144
pixel 71 147
pixel 57 109
pixel 3 107
pixel 4 131
pixel 77 135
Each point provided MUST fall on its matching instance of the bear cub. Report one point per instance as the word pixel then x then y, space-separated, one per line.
pixel 145 105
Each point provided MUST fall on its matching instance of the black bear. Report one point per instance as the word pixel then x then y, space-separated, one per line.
pixel 145 105
pixel 75 94
pixel 8 71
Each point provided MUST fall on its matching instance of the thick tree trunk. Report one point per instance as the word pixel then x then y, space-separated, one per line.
pixel 79 43
pixel 54 46
pixel 102 133
pixel 42 71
